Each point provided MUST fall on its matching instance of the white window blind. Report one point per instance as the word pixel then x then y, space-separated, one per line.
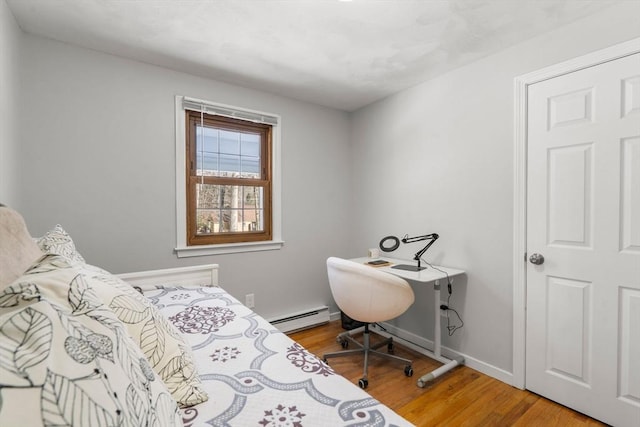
pixel 227 111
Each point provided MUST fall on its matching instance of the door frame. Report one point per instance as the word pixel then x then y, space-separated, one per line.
pixel 521 84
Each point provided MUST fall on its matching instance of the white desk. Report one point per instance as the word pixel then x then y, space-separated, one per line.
pixel 426 276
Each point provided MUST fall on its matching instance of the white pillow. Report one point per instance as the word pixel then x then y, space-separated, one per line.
pixel 57 241
pixel 66 359
pixel 163 345
pixel 17 250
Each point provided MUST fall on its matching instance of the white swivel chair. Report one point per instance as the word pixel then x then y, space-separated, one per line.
pixel 369 296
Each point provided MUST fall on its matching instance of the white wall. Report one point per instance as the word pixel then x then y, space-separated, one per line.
pixel 98 156
pixel 439 158
pixel 10 35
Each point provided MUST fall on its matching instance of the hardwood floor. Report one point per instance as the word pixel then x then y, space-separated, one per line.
pixel 462 397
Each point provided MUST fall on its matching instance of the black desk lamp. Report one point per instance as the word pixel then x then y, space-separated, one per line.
pixel 431 237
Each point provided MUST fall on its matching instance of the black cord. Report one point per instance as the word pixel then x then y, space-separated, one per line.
pixel 450 328
pixel 441 271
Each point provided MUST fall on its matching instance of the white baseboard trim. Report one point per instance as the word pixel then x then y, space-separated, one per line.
pixel 335 316
pixel 301 319
pixel 420 344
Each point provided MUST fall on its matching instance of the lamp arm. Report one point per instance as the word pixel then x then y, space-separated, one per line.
pixel 421 252
pixel 431 237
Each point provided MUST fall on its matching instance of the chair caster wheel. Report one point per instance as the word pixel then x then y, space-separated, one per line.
pixel 390 348
pixel 344 344
pixel 408 371
pixel 326 362
pixel 363 383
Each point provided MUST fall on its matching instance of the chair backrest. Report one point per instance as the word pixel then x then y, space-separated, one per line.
pixel 367 294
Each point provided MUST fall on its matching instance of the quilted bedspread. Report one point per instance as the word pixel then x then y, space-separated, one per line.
pixel 257 376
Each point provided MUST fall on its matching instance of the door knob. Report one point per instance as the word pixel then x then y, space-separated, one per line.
pixel 536 259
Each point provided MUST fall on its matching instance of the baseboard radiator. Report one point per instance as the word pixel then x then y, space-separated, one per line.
pixel 302 320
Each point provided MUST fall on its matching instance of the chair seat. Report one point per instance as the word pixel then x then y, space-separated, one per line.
pixel 369 296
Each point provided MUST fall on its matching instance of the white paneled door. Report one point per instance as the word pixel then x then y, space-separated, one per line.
pixel 583 240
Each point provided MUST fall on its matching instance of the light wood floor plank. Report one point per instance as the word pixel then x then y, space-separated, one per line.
pixel 462 397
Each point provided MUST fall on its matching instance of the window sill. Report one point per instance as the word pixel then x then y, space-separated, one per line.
pixel 230 248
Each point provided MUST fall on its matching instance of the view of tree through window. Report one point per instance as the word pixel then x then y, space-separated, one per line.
pixel 225 208
pixel 229 179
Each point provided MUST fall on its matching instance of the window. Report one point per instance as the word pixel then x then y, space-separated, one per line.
pixel 227 179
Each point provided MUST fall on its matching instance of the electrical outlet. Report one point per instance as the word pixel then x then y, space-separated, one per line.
pixel 249 300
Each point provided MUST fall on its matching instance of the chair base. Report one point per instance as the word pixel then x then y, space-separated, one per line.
pixel 367 349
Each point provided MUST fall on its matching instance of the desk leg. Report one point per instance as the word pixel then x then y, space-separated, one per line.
pixel 437 344
pixel 437 337
pixel 423 380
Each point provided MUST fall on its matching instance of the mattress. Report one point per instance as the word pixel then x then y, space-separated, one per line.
pixel 254 374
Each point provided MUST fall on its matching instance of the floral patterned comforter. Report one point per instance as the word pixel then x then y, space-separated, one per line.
pixel 257 376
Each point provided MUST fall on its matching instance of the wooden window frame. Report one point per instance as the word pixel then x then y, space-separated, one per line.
pixel 192 120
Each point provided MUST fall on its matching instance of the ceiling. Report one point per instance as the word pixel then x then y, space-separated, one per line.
pixel 341 54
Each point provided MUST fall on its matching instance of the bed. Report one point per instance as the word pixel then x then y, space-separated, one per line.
pixel 178 349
